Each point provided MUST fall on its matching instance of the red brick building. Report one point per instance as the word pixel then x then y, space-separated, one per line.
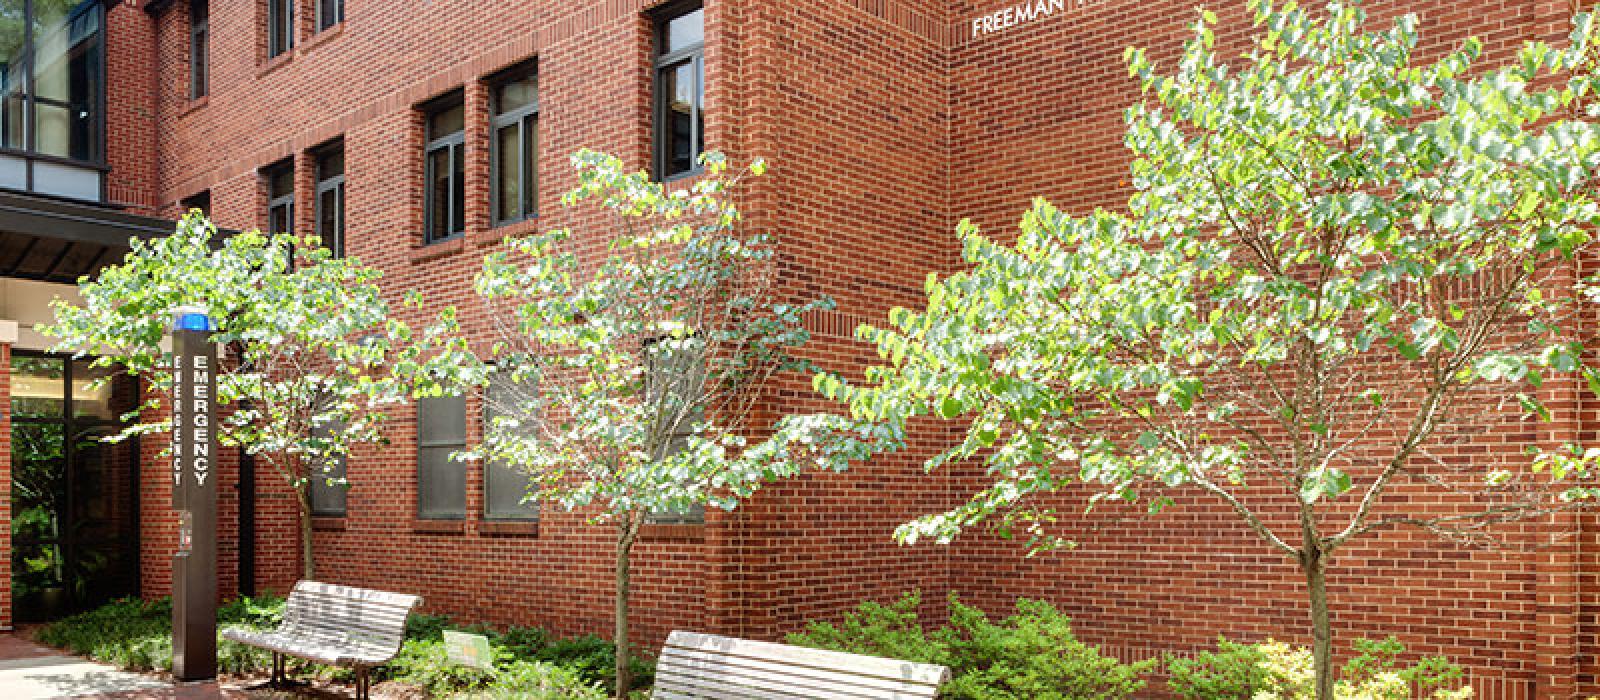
pixel 393 127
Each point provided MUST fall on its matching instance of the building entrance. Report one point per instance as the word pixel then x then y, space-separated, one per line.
pixel 74 523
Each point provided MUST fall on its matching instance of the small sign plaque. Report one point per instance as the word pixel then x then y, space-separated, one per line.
pixel 468 649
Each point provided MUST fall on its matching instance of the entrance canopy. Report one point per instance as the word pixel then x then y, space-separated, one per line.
pixel 51 240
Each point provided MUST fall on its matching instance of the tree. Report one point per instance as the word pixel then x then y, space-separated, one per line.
pixel 1337 260
pixel 315 360
pixel 625 385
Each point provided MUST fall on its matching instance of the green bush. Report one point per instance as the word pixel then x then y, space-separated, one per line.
pixel 137 634
pixel 1277 671
pixel 1030 655
pixel 1234 670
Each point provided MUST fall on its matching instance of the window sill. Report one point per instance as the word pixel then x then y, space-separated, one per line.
pixel 509 528
pixel 195 105
pixel 328 523
pixel 499 232
pixel 661 531
pixel 698 171
pixel 425 252
pixel 439 527
pixel 274 63
pixel 320 37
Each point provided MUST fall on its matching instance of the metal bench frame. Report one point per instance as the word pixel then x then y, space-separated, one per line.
pixel 358 628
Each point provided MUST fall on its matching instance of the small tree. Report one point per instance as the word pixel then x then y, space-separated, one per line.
pixel 1337 260
pixel 315 357
pixel 626 384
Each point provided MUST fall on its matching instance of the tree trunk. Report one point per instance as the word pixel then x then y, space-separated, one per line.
pixel 627 531
pixel 308 562
pixel 1315 567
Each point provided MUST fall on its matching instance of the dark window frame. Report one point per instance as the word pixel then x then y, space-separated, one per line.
pixel 335 185
pixel 526 120
pixel 425 443
pixel 280 27
pixel 327 20
pixel 455 143
pixel 528 512
pixel 663 62
pixel 280 207
pixel 199 48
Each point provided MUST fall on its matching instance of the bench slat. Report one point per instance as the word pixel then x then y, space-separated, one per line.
pixel 706 666
pixel 341 625
pixel 752 670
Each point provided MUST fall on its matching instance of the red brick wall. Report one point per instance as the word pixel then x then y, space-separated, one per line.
pixel 1037 111
pixel 884 123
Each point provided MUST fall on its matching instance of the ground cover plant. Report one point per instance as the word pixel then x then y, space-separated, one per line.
pixel 1029 655
pixel 529 663
pixel 1343 259
pixel 1274 670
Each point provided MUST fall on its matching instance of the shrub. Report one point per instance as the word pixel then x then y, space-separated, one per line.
pixel 1234 670
pixel 1030 655
pixel 1277 671
pixel 534 680
pixel 137 634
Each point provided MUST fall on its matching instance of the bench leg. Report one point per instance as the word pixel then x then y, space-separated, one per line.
pixel 363 684
pixel 277 670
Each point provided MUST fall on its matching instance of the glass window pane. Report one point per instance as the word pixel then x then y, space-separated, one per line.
pixel 508 175
pixel 13 72
pixel 280 219
pixel 438 200
pixel 458 191
pixel 516 94
pixel 327 488
pixel 442 420
pixel 445 122
pixel 685 30
pixel 281 183
pixel 505 487
pixel 67 81
pixel 329 13
pixel 678 131
pixel 329 219
pixel 442 484
pixel 330 165
pixel 38 386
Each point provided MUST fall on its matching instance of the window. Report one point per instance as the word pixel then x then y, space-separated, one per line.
pixel 199 48
pixel 674 383
pixel 201 201
pixel 514 164
pixel 280 27
pixel 329 491
pixel 329 13
pixel 445 194
pixel 280 198
pixel 330 199
pixel 680 89
pixel 441 481
pixel 52 89
pixel 504 486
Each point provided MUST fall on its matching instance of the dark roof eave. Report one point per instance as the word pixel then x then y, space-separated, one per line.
pixel 81 223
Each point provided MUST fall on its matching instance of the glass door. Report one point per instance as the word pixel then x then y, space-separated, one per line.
pixel 74 498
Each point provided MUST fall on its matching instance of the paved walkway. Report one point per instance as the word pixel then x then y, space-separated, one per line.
pixel 32 672
pixel 29 671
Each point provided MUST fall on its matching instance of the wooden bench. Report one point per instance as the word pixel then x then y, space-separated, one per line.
pixel 723 668
pixel 336 625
